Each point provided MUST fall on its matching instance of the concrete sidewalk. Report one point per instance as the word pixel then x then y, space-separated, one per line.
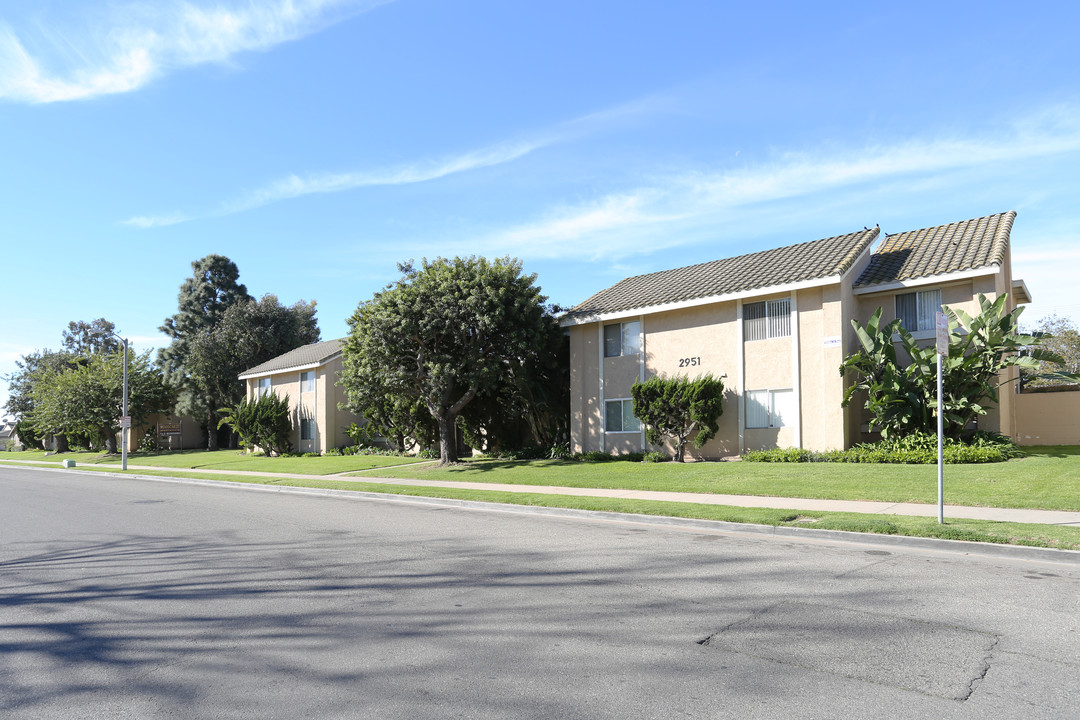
pixel 1044 517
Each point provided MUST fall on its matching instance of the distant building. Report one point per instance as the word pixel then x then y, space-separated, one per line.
pixel 308 375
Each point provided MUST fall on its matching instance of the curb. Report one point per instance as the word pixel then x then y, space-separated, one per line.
pixel 958 547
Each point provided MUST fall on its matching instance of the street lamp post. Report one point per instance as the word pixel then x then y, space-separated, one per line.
pixel 125 420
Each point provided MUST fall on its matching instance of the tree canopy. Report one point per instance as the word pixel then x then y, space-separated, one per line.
pixel 219 331
pixel 1058 335
pixel 442 335
pixel 88 338
pixel 676 408
pixel 86 399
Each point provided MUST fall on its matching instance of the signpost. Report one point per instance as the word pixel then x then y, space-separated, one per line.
pixel 942 357
pixel 171 430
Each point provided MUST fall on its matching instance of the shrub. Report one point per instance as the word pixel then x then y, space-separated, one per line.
pixel 560 451
pixel 428 453
pixel 262 422
pixel 654 457
pixel 913 449
pixel 676 408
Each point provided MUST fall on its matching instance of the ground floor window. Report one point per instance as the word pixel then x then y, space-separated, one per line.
pixel 619 416
pixel 263 387
pixel 770 408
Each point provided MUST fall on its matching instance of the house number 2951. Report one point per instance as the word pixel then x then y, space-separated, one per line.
pixel 689 362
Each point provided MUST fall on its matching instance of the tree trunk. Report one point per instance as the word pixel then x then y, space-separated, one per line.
pixel 62 444
pixel 110 440
pixel 680 446
pixel 447 444
pixel 212 431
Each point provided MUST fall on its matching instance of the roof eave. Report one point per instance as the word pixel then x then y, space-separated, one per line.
pixel 928 280
pixel 697 302
pixel 1020 292
pixel 253 373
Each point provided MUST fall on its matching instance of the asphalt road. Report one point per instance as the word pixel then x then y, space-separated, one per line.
pixel 126 598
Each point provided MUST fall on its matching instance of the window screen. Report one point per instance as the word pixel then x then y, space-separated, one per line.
pixel 622 339
pixel 917 310
pixel 767 319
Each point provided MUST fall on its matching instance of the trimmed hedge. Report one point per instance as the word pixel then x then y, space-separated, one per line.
pixel 915 449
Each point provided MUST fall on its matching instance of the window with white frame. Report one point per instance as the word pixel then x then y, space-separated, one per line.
pixel 307 429
pixel 770 408
pixel 263 387
pixel 767 319
pixel 917 310
pixel 622 339
pixel 619 416
pixel 307 381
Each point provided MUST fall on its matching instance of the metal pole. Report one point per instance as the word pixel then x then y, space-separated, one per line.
pixel 124 429
pixel 940 449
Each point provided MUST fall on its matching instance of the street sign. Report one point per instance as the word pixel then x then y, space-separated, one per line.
pixel 942 334
pixel 125 421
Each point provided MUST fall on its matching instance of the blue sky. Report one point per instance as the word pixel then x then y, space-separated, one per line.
pixel 318 142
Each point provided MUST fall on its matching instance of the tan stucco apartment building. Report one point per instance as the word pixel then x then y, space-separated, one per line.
pixel 776 325
pixel 308 375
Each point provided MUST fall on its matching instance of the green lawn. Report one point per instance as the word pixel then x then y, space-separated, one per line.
pixel 1048 478
pixel 1051 536
pixel 226 460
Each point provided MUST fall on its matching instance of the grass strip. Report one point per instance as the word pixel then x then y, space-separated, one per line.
pixel 1033 535
pixel 228 460
pixel 1047 479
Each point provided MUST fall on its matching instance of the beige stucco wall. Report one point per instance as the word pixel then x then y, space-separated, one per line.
pixel 706 335
pixel 190 437
pixel 704 339
pixel 1047 418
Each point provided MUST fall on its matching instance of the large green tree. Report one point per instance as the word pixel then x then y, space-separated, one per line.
pixel 443 334
pixel 86 398
pixel 902 397
pixel 21 384
pixel 203 299
pixel 1060 336
pixel 247 334
pixel 88 338
pixel 219 331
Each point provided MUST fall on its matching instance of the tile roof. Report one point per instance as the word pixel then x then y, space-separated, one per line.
pixel 965 245
pixel 761 270
pixel 313 354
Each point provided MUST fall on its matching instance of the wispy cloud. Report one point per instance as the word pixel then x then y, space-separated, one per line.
pixel 135 44
pixel 146 221
pixel 294 186
pixel 702 195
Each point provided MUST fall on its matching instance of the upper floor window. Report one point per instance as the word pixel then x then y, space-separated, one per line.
pixel 917 310
pixel 263 387
pixel 307 381
pixel 622 339
pixel 767 319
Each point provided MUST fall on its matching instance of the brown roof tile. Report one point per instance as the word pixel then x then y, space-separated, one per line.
pixel 965 245
pixel 760 270
pixel 313 354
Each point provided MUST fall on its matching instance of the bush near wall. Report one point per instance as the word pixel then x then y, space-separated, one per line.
pixel 915 449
